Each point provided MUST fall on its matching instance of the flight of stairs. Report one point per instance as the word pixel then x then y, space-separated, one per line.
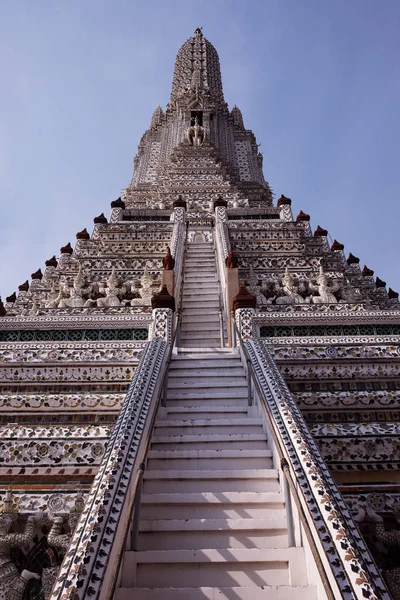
pixel 200 302
pixel 212 519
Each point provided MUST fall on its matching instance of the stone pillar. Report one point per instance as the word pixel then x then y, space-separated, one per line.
pixel 232 289
pixel 163 305
pixel 244 305
pixel 168 281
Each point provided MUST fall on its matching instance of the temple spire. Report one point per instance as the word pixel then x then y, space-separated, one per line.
pixel 197 69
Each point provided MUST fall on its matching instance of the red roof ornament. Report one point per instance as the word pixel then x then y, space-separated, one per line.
pixel 100 219
pixel 336 246
pixel 37 274
pixel 302 217
pixel 24 287
pixel 320 232
pixel 283 201
pixel 244 299
pixel 52 262
pixel 231 260
pixel 367 272
pixel 352 260
pixel 179 202
pixel 163 299
pixel 220 202
pixel 83 235
pixel 379 283
pixel 118 203
pixel 66 249
pixel 168 260
pixel 11 298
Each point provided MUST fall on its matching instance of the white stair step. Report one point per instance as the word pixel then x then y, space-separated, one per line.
pixel 214 442
pixel 210 342
pixel 199 304
pixel 209 459
pixel 188 371
pixel 212 524
pixel 211 325
pixel 225 353
pixel 205 392
pixel 200 403
pixel 206 311
pixel 227 480
pixel 193 534
pixel 265 592
pixel 199 412
pixel 229 505
pixel 206 429
pixel 192 366
pixel 209 292
pixel 244 567
pixel 193 317
pixel 210 384
pixel 202 427
pixel 206 357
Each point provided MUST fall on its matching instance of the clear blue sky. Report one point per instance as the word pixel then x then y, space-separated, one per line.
pixel 317 81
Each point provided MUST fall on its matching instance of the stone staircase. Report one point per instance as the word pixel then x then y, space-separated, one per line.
pixel 200 303
pixel 212 519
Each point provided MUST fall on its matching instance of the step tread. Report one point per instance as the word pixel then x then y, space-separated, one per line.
pixel 244 453
pixel 266 592
pixel 207 422
pixel 250 524
pixel 211 555
pixel 234 437
pixel 214 474
pixel 214 498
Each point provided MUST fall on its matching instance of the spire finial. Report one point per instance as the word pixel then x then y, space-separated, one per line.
pixel 198 32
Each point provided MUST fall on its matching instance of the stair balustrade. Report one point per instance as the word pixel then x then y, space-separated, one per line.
pixel 314 506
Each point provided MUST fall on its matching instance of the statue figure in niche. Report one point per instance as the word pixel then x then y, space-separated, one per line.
pixel 391 541
pixel 146 290
pixel 290 290
pixel 69 297
pixel 58 539
pixel 254 288
pixel 12 583
pixel 195 134
pixel 325 289
pixel 112 292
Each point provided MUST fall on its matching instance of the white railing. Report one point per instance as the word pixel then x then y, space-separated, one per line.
pixel 315 510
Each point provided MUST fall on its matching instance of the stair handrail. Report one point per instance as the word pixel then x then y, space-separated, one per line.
pixel 369 580
pixel 221 297
pixel 133 512
pixel 178 314
pixel 135 500
pixel 85 568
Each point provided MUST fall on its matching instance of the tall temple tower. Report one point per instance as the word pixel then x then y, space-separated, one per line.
pixel 200 399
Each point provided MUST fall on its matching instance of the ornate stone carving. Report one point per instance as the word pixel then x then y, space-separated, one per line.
pixel 290 290
pixel 13 584
pixel 195 134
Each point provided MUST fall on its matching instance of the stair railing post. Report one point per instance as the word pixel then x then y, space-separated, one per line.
pixel 136 508
pixel 288 503
pixel 249 383
pixel 233 327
